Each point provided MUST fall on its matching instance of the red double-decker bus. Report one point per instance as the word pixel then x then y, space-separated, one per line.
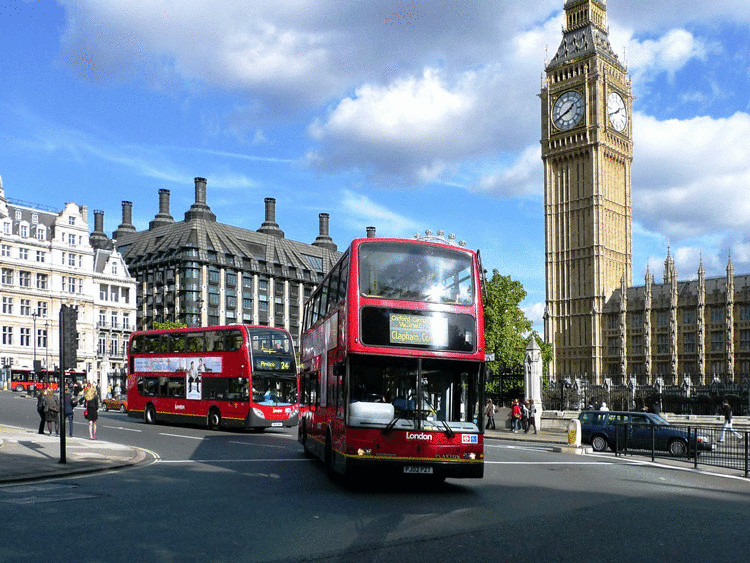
pixel 237 375
pixel 393 361
pixel 25 380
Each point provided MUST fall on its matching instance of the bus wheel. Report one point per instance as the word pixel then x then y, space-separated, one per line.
pixel 19 388
pixel 307 451
pixel 214 419
pixel 149 414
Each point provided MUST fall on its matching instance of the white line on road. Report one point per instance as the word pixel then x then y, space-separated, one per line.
pixel 549 462
pixel 181 436
pixel 123 428
pixel 257 445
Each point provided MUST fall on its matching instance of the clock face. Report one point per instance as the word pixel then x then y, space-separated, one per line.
pixel 618 115
pixel 568 110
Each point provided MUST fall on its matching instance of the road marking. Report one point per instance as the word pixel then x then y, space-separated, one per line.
pixel 182 436
pixel 254 444
pixel 123 428
pixel 549 462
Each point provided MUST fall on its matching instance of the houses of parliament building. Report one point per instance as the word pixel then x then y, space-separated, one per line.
pixel 601 326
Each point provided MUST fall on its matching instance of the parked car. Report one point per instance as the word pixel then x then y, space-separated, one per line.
pixel 608 429
pixel 116 403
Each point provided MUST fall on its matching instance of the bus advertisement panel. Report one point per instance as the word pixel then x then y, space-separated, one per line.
pixel 393 361
pixel 238 375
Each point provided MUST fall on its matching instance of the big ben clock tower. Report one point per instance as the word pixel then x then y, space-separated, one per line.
pixel 587 149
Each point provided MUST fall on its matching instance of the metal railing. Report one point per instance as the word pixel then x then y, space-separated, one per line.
pixel 704 445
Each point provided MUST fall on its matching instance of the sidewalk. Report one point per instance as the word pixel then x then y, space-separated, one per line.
pixel 26 455
pixel 543 436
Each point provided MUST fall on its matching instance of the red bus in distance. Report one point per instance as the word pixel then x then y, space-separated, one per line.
pixel 237 375
pixel 25 380
pixel 393 358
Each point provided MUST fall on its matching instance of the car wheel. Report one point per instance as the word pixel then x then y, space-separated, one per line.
pixel 106 408
pixel 678 447
pixel 19 388
pixel 122 408
pixel 149 415
pixel 599 443
pixel 214 419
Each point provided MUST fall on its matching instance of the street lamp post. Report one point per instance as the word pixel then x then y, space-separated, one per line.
pixel 46 346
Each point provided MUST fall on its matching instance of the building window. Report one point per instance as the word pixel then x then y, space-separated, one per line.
pixel 41 281
pixel 5 250
pixel 662 343
pixel 41 309
pixel 7 305
pixel 25 307
pixel 114 320
pixel 34 218
pixel 24 279
pixel 745 339
pixel 41 337
pixel 18 214
pixel 102 318
pixel 23 253
pixel 717 314
pixel 103 292
pixel 25 336
pixel 102 348
pixel 662 318
pixel 71 220
pixel 125 295
pixel 717 341
pixel 71 239
pixel 8 335
pixel 41 256
pixel 114 268
pixel 688 317
pixel 688 343
pixel 6 228
pixel 113 347
pixel 744 313
pixel 636 346
pixel 126 321
pixel 24 231
pixel 41 233
pixel 71 259
pixel 7 276
pixel 114 294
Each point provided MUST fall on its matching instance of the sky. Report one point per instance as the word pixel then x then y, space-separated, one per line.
pixel 405 116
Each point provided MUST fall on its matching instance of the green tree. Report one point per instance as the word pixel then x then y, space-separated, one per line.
pixel 168 324
pixel 506 328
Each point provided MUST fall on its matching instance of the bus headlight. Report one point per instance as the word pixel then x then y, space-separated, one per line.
pixel 259 413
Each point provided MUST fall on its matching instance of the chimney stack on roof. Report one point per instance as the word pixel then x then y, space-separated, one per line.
pixel 163 217
pixel 127 220
pixel 323 240
pixel 200 209
pixel 370 232
pixel 98 239
pixel 270 226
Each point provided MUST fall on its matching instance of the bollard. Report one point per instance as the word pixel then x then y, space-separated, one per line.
pixel 574 432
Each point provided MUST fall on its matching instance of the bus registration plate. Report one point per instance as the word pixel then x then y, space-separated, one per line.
pixel 423 469
pixel 276 424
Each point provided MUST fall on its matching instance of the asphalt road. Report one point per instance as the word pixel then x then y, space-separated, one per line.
pixel 225 496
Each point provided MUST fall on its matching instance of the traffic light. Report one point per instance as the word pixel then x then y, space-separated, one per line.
pixel 68 317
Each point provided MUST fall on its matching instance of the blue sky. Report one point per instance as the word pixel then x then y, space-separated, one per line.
pixel 405 116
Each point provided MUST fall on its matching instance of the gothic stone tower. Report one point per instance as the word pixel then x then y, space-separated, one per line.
pixel 587 149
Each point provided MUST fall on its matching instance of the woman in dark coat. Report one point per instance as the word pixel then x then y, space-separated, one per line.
pixel 92 409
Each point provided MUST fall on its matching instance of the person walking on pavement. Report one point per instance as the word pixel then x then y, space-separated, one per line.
pixel 489 412
pixel 40 409
pixel 515 416
pixel 92 409
pixel 68 409
pixel 52 410
pixel 524 416
pixel 532 416
pixel 726 410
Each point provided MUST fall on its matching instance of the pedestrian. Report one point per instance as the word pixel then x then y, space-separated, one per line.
pixel 99 391
pixel 92 409
pixel 68 408
pixel 726 410
pixel 656 408
pixel 532 416
pixel 524 415
pixel 604 406
pixel 40 400
pixel 515 416
pixel 489 412
pixel 52 410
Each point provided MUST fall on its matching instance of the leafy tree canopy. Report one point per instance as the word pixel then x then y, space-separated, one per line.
pixel 168 324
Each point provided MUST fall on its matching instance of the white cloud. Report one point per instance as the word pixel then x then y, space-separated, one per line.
pixel 668 54
pixel 535 313
pixel 690 177
pixel 523 177
pixel 361 212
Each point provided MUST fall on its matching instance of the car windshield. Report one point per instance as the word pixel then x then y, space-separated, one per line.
pixel 659 421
